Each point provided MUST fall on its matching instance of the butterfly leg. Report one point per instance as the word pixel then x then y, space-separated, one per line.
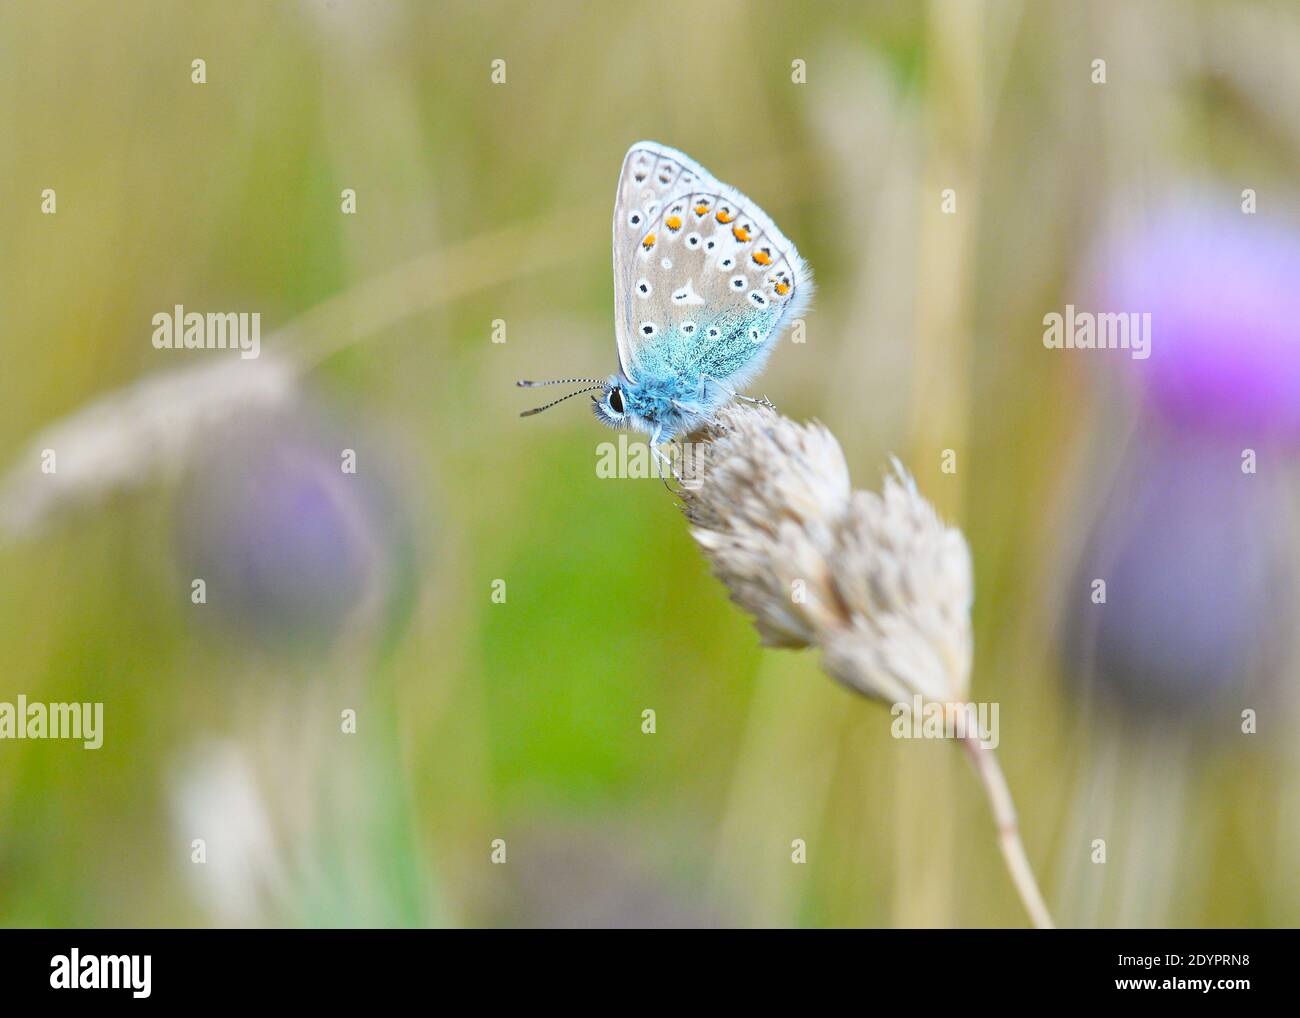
pixel 660 458
pixel 765 402
pixel 664 462
pixel 672 471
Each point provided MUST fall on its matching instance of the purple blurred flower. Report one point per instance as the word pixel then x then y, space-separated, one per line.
pixel 293 550
pixel 1223 290
pixel 1196 589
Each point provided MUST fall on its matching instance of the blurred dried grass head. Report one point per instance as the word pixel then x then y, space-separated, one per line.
pixel 876 581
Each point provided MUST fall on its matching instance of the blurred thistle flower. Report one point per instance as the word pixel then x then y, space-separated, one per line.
pixel 1194 556
pixel 1192 548
pixel 878 582
pixel 293 548
pixel 1223 291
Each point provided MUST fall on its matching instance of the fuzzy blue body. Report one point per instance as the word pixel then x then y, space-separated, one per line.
pixel 683 379
pixel 662 407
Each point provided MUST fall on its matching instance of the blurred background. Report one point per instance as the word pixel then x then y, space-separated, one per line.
pixel 496 615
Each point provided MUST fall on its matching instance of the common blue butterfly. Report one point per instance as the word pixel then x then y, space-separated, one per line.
pixel 704 283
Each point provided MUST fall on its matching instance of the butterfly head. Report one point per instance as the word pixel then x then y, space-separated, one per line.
pixel 661 409
pixel 622 403
pixel 614 404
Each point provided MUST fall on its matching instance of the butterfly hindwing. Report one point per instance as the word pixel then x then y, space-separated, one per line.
pixel 704 281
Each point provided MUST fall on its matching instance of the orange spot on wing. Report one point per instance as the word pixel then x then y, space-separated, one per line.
pixel 762 258
pixel 701 209
pixel 673 223
pixel 782 288
pixel 724 216
pixel 740 233
pixel 649 241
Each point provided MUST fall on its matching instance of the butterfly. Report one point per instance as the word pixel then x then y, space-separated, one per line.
pixel 704 284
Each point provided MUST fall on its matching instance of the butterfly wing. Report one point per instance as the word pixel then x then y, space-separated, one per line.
pixel 652 176
pixel 704 281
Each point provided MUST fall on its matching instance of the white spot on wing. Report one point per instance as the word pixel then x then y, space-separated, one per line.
pixel 687 295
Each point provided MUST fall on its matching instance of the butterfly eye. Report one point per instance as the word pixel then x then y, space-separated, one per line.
pixel 616 400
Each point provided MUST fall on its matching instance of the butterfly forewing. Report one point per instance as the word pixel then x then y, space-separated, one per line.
pixel 651 177
pixel 703 279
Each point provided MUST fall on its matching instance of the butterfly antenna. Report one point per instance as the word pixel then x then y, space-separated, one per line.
pixel 539 409
pixel 525 384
